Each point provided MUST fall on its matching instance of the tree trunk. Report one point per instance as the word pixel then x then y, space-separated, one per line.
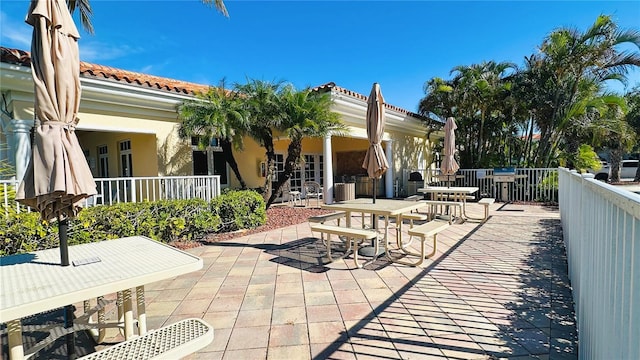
pixel 290 164
pixel 267 140
pixel 481 144
pixel 614 161
pixel 227 151
pixel 572 149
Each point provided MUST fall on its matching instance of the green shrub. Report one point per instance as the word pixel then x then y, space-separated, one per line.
pixel 165 221
pixel 586 158
pixel 239 209
pixel 549 182
pixel 25 232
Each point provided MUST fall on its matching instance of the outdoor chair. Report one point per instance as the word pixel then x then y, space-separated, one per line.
pixel 312 190
pixel 293 196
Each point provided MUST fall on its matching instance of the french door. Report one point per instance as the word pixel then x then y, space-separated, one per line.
pixel 311 170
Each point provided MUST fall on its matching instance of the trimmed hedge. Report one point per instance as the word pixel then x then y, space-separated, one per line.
pixel 165 221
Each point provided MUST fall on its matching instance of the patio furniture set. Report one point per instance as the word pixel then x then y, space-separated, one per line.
pixel 312 190
pixel 445 205
pixel 35 282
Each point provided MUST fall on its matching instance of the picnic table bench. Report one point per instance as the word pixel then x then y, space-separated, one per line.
pixel 170 342
pixel 432 228
pixel 435 205
pixel 351 236
pixel 486 202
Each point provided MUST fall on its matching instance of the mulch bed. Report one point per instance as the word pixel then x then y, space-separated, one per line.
pixel 277 216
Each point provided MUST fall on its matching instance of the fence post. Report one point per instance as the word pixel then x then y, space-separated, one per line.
pixel 133 190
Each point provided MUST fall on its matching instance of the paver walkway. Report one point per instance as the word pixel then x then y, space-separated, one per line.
pixel 494 290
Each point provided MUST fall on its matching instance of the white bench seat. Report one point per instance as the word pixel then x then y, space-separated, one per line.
pixel 351 235
pixel 486 202
pixel 413 197
pixel 414 217
pixel 432 228
pixel 321 219
pixel 435 205
pixel 170 342
pixel 327 217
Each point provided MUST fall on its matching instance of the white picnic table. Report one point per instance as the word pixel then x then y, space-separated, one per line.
pixel 455 193
pixel 36 282
pixel 382 207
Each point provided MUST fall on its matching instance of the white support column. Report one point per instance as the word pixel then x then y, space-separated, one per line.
pixel 18 136
pixel 328 170
pixel 389 176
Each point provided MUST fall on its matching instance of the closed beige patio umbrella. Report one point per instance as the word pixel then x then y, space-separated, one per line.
pixel 449 165
pixel 58 176
pixel 374 160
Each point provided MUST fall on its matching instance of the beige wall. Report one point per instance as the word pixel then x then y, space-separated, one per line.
pixel 22 110
pixel 174 157
pixel 410 153
pixel 249 160
pixel 143 149
pixel 252 155
pixel 157 149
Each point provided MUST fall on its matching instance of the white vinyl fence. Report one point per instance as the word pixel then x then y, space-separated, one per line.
pixel 601 229
pixel 135 189
pixel 532 184
pixel 153 188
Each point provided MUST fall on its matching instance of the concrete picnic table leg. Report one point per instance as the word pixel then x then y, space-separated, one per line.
pixel 128 314
pixel 99 333
pixel 463 197
pixel 142 315
pixel 386 232
pixel 120 307
pixel 14 333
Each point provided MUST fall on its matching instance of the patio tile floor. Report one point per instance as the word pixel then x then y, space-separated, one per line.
pixel 494 290
pixel 497 289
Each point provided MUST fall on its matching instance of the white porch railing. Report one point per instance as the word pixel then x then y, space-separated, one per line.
pixel 601 228
pixel 136 189
pixel 7 192
pixel 153 188
pixel 533 184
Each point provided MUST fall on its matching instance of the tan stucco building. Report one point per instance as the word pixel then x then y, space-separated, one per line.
pixel 128 127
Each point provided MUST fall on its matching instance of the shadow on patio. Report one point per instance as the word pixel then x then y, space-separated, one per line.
pixel 500 291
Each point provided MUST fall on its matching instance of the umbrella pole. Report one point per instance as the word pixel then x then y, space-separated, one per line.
pixel 373 216
pixel 70 337
pixel 369 251
pixel 63 228
pixel 374 190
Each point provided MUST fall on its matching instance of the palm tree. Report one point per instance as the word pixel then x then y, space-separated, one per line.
pixel 633 119
pixel 216 114
pixel 306 114
pixel 260 102
pixel 483 87
pixel 436 105
pixel 569 65
pixel 477 97
pixel 613 131
pixel 84 7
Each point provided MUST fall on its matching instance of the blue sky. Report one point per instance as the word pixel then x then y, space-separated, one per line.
pixel 400 45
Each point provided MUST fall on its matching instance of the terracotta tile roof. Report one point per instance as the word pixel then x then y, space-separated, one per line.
pixel 89 70
pixel 331 85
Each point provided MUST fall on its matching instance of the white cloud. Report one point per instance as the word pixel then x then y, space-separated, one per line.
pixel 13 33
pixel 147 69
pixel 97 52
